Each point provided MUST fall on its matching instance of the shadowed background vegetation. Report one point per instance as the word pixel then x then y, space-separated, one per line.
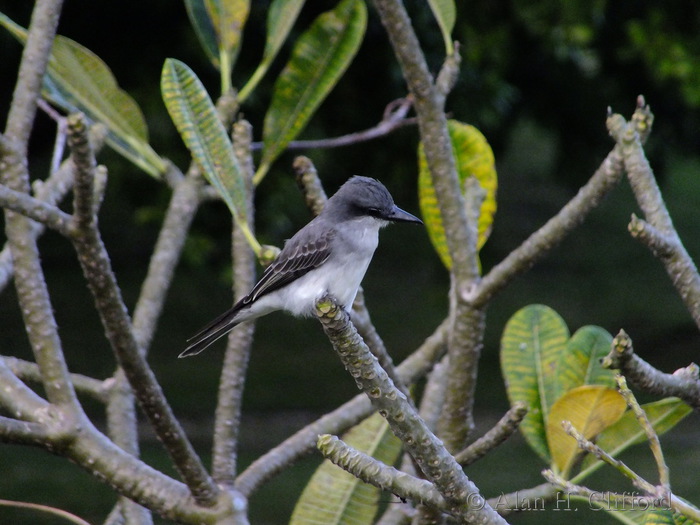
pixel 536 79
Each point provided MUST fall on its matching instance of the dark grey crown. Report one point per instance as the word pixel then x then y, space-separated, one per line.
pixel 362 196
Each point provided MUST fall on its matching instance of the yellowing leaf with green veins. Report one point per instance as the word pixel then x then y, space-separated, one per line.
pixel 473 158
pixel 201 130
pixel 590 409
pixel 319 58
pixel 78 80
pixel 532 342
pixel 334 496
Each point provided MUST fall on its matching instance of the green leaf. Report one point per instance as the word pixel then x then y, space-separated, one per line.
pixel 219 26
pixel 320 57
pixel 580 364
pixel 473 158
pixel 77 80
pixel 531 344
pixel 590 409
pixel 280 18
pixel 445 13
pixel 333 496
pixel 199 125
pixel 663 416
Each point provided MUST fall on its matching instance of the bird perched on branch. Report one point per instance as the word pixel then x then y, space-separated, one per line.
pixel 329 255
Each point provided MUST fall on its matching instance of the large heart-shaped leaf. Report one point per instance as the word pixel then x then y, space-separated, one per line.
pixel 531 344
pixel 334 496
pixel 473 158
pixel 590 409
pixel 579 364
pixel 319 58
pixel 77 80
pixel 204 135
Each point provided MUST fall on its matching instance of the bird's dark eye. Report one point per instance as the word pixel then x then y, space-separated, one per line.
pixel 373 212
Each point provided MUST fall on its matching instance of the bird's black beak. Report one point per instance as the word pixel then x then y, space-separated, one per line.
pixel 398 215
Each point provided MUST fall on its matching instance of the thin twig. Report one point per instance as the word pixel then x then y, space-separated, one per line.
pixel 501 431
pixel 678 263
pixel 652 436
pixel 393 119
pixel 684 383
pixel 28 371
pixel 35 209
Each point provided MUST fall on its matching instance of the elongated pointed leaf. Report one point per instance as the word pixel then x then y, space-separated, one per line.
pixel 77 80
pixel 219 27
pixel 579 364
pixel 320 57
pixel 474 158
pixel 530 347
pixel 333 496
pixel 204 135
pixel 591 409
pixel 663 416
pixel 445 13
pixel 280 19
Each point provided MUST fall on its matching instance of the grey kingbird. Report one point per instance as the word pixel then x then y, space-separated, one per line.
pixel 329 255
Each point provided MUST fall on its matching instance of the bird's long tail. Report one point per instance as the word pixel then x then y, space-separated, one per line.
pixel 212 332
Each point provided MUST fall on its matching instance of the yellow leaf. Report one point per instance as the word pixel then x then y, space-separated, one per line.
pixel 473 158
pixel 590 409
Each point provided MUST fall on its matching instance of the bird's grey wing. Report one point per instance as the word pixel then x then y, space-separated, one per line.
pixel 299 256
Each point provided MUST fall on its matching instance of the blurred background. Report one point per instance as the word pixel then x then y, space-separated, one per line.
pixel 536 79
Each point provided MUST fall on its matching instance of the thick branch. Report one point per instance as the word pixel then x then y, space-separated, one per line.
pixel 33 295
pixel 427 450
pixel 110 305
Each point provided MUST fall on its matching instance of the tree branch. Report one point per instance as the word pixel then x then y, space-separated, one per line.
pixel 540 243
pixel 675 258
pixel 376 473
pixel 393 119
pixel 35 209
pixel 683 383
pixel 32 292
pixel 97 270
pixel 427 450
pixel 336 422
pixel 505 428
pixel 230 397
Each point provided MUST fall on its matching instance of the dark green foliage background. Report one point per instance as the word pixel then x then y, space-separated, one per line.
pixel 536 79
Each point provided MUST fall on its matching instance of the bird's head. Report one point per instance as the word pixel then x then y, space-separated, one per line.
pixel 366 197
